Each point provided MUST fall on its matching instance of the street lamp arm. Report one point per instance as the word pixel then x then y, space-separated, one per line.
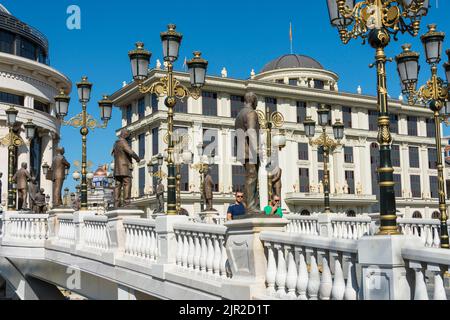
pixel 325 141
pixel 91 123
pixel 161 88
pixel 12 139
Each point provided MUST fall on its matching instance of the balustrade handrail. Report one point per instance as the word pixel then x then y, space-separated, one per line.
pixel 139 222
pixel 294 216
pixel 65 216
pixel 26 216
pixel 344 245
pixel 360 218
pixel 95 218
pixel 427 255
pixel 201 227
pixel 418 221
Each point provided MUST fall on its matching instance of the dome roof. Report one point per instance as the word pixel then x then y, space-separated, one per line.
pixel 4 10
pixel 292 61
pixel 101 171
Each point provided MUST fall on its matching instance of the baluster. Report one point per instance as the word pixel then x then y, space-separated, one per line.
pixel 344 230
pixel 217 256
pixel 302 227
pixel 140 242
pixel 271 272
pixel 355 231
pixel 337 293
pixel 191 251
pixel 291 278
pixel 326 283
pixel 127 238
pixel 31 229
pixel 203 254
pixel 314 280
pixel 155 245
pixel 302 279
pixel 439 290
pixel 429 240
pixel 198 251
pixel 352 287
pixel 185 249
pixel 415 233
pixel 147 250
pixel 340 231
pixel 335 229
pixel 210 256
pixel 436 239
pixel 407 229
pixel 134 240
pixel 281 274
pixel 224 258
pixel 420 290
pixel 316 233
pixel 423 235
pixel 179 258
pixel 350 231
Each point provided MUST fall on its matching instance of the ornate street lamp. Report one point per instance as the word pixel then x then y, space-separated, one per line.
pixel 170 87
pixel 84 121
pixel 378 21
pixel 327 144
pixel 13 141
pixel 45 168
pixel 435 94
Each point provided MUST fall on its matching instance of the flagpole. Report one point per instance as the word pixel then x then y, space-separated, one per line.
pixel 290 37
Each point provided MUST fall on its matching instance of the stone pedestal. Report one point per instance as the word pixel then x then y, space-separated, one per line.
pixel 166 238
pixel 209 216
pixel 246 256
pixel 384 276
pixel 325 227
pixel 115 226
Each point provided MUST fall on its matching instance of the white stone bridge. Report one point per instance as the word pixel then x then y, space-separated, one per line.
pixel 123 256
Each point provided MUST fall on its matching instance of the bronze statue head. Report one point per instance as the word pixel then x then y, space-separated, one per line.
pixel 60 150
pixel 42 190
pixel 24 165
pixel 124 134
pixel 251 99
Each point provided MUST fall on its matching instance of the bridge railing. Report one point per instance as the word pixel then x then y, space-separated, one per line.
pixel 141 239
pixel 305 267
pixel 302 224
pixel 427 230
pixel 66 229
pixel 201 248
pixel 94 232
pixel 350 227
pixel 28 228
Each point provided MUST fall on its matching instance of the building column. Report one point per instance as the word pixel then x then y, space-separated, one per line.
pixel 404 161
pixel 424 178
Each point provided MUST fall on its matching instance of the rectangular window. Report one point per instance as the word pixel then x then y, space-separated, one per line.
pixel 141 139
pixel 350 177
pixel 395 155
pixel 434 187
pixel 237 103
pixel 141 108
pixel 319 84
pixel 155 141
pixel 412 125
pixel 293 81
pixel 303 151
pixel 142 172
pixel 347 117
pixel 209 103
pixel 28 49
pixel 181 106
pixel 271 103
pixel 238 177
pixel 129 113
pixel 373 120
pixel 154 99
pixel 348 154
pixel 304 180
pixel 184 183
pixel 432 158
pixel 10 98
pixel 215 176
pixel 7 41
pixel 41 106
pixel 281 81
pixel 393 118
pixel 398 185
pixel 320 154
pixel 155 177
pixel 321 176
pixel 414 157
pixel 234 144
pixel 431 129
pixel 415 186
pixel 301 111
pixel 210 142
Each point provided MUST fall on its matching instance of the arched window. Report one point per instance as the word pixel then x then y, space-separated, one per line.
pixel 417 215
pixel 305 213
pixel 436 215
pixel 351 213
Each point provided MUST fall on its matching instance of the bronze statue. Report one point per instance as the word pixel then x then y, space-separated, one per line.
pixel 160 196
pixel 276 181
pixel 59 167
pixel 247 131
pixel 208 187
pixel 40 206
pixel 33 189
pixel 123 157
pixel 21 177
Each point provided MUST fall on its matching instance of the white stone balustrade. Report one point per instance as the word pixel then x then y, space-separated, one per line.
pixel 141 240
pixel 427 230
pixel 305 267
pixel 350 227
pixel 201 248
pixel 302 224
pixel 94 232
pixel 66 232
pixel 26 227
pixel 431 260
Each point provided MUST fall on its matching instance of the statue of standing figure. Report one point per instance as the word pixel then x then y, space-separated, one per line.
pixel 160 196
pixel 208 187
pixel 33 189
pixel 247 131
pixel 59 166
pixel 21 177
pixel 345 188
pixel 276 181
pixel 40 206
pixel 320 187
pixel 123 159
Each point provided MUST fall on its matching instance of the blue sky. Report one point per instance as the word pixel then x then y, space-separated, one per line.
pixel 238 35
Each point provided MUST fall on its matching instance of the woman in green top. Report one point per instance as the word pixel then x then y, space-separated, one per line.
pixel 274 207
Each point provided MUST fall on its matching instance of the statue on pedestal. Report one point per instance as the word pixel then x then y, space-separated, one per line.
pixel 359 188
pixel 312 187
pixel 33 189
pixel 247 131
pixel 40 206
pixel 337 188
pixel 59 166
pixel 160 196
pixel 123 159
pixel 21 177
pixel 320 186
pixel 208 187
pixel 345 187
pixel 276 181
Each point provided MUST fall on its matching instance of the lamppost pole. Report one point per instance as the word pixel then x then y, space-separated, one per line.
pixel 326 176
pixel 170 87
pixel 84 133
pixel 377 20
pixel 11 191
pixel 435 95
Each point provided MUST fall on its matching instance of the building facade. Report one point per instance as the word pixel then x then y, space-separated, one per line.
pixel 28 83
pixel 294 85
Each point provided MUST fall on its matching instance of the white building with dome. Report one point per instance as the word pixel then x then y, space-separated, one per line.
pixel 294 85
pixel 28 83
